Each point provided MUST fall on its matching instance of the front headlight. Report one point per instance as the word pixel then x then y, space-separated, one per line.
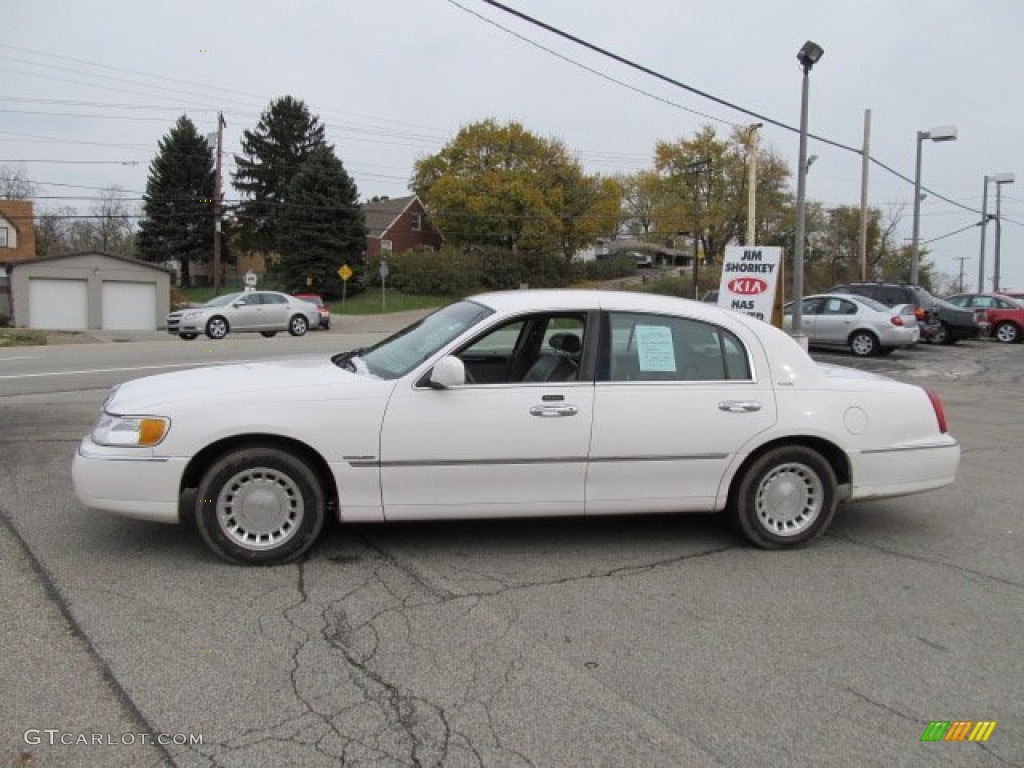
pixel 133 431
pixel 192 315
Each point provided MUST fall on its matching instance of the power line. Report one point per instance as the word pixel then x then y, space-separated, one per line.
pixel 696 91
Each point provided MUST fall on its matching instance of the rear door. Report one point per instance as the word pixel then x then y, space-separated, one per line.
pixel 675 400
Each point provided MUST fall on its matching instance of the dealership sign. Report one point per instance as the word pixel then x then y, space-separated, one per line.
pixel 749 277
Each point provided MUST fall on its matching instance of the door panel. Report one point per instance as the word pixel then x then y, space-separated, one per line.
pixel 681 401
pixel 480 451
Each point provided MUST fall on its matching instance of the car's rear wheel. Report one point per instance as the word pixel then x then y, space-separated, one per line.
pixel 298 325
pixel 260 506
pixel 217 327
pixel 187 336
pixel 268 334
pixel 786 498
pixel 863 343
pixel 1007 332
pixel 943 335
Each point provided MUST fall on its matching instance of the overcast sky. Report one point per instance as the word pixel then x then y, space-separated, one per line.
pixel 100 83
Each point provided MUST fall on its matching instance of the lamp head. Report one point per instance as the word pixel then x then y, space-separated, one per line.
pixel 942 133
pixel 1002 178
pixel 809 55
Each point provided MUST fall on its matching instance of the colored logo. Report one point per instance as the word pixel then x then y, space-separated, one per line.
pixel 958 730
pixel 747 286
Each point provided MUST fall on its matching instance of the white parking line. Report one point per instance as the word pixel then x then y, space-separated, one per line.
pixel 20 357
pixel 119 370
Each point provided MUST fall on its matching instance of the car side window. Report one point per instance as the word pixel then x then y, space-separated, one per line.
pixel 273 298
pixel 660 348
pixel 249 299
pixel 540 348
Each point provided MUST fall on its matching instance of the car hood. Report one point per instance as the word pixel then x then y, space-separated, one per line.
pixel 267 380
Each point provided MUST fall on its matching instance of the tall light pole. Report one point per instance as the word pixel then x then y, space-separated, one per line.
pixel 808 55
pixel 999 179
pixel 752 185
pixel 944 133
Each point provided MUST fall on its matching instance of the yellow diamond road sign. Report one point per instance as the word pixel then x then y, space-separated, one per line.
pixel 344 272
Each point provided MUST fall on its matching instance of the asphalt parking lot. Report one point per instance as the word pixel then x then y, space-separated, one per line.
pixel 653 641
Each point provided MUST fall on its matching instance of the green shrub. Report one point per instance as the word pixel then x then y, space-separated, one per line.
pixel 605 269
pixel 447 272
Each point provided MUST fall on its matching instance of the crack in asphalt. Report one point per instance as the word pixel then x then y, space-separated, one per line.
pixel 927 560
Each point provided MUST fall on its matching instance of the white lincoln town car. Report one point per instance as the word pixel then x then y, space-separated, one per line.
pixel 525 403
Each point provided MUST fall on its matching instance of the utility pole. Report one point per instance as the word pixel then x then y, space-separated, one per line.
pixel 960 283
pixel 217 204
pixel 865 165
pixel 752 185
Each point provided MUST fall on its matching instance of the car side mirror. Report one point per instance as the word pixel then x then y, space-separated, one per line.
pixel 449 372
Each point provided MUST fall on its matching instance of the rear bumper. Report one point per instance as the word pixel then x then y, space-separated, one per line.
pixel 905 469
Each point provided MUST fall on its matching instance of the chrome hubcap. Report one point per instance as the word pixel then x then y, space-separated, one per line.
pixel 1006 333
pixel 260 508
pixel 789 499
pixel 862 345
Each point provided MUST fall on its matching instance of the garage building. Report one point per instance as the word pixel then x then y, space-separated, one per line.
pixel 89 291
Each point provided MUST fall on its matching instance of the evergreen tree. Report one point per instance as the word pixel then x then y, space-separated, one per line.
pixel 286 135
pixel 177 208
pixel 322 226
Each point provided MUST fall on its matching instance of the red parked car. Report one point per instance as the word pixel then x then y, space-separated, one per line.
pixel 1005 314
pixel 321 308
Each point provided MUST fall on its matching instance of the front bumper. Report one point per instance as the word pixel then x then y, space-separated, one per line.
pixel 133 483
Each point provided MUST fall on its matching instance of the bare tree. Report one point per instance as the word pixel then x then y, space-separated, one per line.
pixel 15 184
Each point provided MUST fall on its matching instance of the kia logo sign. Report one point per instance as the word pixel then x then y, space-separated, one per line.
pixel 747 286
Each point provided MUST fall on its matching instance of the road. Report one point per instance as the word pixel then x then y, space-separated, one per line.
pixel 655 641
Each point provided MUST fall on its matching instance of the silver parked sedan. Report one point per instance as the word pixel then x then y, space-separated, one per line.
pixel 862 325
pixel 266 312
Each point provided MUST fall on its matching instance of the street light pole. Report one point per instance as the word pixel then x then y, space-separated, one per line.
pixel 945 133
pixel 808 56
pixel 999 179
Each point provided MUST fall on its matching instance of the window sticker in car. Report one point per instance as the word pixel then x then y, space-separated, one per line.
pixel 654 348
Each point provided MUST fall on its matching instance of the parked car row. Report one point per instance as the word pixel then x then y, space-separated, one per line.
pixel 1003 312
pixel 264 312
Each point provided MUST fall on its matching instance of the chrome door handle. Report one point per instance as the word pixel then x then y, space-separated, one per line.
pixel 739 406
pixel 553 411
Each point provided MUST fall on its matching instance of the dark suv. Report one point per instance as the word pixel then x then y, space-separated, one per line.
pixel 940 321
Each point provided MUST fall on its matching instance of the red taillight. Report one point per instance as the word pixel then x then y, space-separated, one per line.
pixel 896 320
pixel 940 412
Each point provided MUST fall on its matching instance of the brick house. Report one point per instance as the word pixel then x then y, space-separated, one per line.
pixel 17 231
pixel 402 221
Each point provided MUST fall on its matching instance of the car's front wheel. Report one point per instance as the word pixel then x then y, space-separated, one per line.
pixel 786 498
pixel 863 343
pixel 260 505
pixel 298 325
pixel 1007 332
pixel 217 328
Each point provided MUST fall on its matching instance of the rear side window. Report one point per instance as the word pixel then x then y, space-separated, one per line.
pixel 659 348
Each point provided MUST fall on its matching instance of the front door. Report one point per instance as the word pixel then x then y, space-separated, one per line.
pixel 512 441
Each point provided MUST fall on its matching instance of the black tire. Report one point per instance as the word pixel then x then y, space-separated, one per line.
pixel 943 335
pixel 863 343
pixel 217 327
pixel 1007 332
pixel 298 325
pixel 260 506
pixel 786 498
pixel 187 336
pixel 268 334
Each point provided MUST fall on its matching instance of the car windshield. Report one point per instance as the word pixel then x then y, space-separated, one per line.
pixel 221 301
pixel 400 353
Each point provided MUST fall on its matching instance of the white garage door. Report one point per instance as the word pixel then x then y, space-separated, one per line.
pixel 129 306
pixel 58 304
